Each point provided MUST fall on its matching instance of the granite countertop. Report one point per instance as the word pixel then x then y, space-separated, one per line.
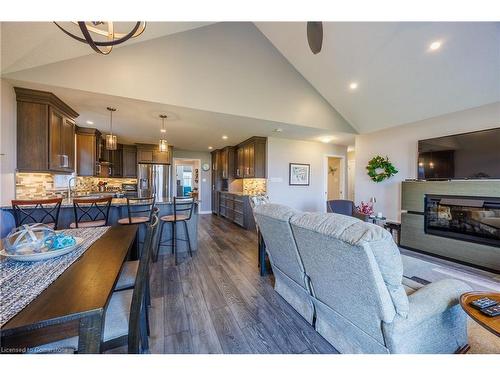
pixel 116 202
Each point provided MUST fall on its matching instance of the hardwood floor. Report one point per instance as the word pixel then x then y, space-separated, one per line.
pixel 216 302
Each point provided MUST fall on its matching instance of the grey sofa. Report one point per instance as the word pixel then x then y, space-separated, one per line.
pixel 355 274
pixel 290 279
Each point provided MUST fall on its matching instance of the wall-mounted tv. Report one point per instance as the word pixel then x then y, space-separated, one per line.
pixel 473 155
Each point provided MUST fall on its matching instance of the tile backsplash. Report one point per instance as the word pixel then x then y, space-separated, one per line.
pixel 90 183
pixel 46 185
pixel 254 186
pixel 34 186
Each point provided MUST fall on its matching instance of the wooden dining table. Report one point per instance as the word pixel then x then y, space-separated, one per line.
pixel 75 303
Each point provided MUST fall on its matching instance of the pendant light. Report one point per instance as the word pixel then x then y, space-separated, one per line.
pixel 92 30
pixel 111 141
pixel 163 142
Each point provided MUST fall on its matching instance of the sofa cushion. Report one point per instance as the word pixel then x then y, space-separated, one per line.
pixel 358 233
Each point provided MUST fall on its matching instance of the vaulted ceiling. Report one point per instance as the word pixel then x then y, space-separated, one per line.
pixel 400 79
pixel 243 78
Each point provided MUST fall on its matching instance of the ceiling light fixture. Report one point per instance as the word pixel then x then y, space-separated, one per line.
pixel 224 137
pixel 434 46
pixel 111 141
pixel 103 29
pixel 327 139
pixel 163 142
pixel 90 122
pixel 353 85
pixel 210 147
pixel 278 130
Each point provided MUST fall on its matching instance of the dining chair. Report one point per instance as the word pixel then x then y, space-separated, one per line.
pixel 183 210
pixel 125 317
pixel 91 212
pixel 45 211
pixel 130 270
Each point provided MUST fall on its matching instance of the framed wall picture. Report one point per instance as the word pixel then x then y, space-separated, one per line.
pixel 299 174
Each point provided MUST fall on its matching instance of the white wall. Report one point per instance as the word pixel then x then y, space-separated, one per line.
pixel 7 142
pixel 205 177
pixel 281 152
pixel 400 144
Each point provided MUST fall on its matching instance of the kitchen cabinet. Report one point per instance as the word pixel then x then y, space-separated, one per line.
pixel 115 158
pixel 129 161
pixel 147 153
pixel 45 132
pixel 250 158
pixel 239 164
pixel 88 149
pixel 236 208
pixel 227 162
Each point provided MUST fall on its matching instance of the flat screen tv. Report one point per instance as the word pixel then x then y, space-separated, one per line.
pixel 473 155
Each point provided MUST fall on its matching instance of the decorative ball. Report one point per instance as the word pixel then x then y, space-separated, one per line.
pixel 28 239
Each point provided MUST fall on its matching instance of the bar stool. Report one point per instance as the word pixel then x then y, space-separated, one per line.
pixel 183 209
pixel 95 209
pixel 135 207
pixel 45 211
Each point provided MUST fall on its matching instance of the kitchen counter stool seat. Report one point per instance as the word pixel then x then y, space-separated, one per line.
pixel 133 220
pixel 172 218
pixel 88 224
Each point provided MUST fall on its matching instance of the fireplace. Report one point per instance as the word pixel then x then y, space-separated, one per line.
pixel 473 219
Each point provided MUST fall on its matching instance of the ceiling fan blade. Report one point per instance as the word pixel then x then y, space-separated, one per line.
pixel 315 36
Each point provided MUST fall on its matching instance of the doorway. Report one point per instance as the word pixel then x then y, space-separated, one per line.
pixel 187 178
pixel 334 177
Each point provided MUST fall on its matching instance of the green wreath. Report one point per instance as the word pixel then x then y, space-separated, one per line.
pixel 377 163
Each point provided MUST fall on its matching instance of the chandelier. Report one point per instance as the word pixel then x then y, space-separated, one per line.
pixel 105 29
pixel 163 146
pixel 111 141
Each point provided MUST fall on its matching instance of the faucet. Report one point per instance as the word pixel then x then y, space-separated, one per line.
pixel 69 186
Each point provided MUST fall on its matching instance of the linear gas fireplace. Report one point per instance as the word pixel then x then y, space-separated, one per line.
pixel 473 219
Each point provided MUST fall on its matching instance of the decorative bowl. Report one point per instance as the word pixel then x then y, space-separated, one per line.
pixel 44 255
pixel 28 239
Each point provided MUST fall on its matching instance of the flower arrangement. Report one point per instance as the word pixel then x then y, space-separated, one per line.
pixel 365 208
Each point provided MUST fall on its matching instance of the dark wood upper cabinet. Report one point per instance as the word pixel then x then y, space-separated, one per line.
pixel 129 161
pixel 116 160
pixel 239 165
pixel 45 132
pixel 88 150
pixel 147 153
pixel 226 162
pixel 250 159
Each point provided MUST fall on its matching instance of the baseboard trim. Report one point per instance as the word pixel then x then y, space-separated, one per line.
pixel 204 212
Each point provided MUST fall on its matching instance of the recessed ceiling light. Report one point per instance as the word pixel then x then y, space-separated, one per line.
pixel 90 122
pixel 353 85
pixel 224 137
pixel 327 139
pixel 163 130
pixel 435 45
pixel 278 130
pixel 210 147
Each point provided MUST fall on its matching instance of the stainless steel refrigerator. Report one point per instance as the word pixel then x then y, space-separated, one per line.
pixel 154 179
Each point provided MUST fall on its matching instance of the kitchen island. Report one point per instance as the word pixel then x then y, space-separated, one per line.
pixel 117 211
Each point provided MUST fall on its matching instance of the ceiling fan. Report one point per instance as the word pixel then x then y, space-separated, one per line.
pixel 315 36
